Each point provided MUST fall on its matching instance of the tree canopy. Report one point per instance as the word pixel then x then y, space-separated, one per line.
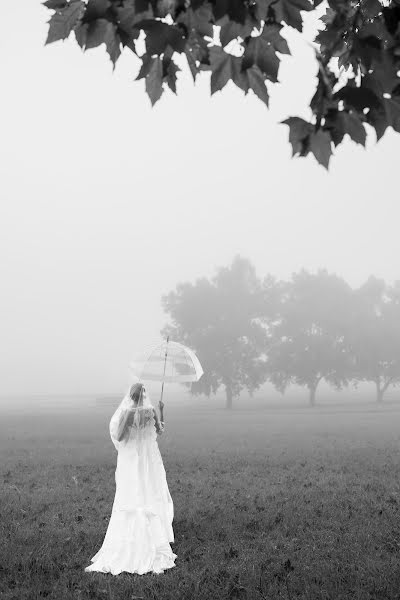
pixel 374 334
pixel 309 337
pixel 357 52
pixel 219 318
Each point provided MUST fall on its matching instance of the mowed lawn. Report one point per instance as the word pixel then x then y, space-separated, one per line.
pixel 269 502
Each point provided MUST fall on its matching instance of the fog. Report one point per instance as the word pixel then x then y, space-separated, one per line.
pixel 106 203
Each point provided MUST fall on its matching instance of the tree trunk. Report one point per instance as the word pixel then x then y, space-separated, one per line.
pixel 312 390
pixel 379 393
pixel 229 397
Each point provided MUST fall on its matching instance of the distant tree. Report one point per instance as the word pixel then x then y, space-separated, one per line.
pixel 308 338
pixel 361 36
pixel 219 319
pixel 374 338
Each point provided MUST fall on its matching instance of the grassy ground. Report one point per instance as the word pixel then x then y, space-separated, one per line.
pixel 269 503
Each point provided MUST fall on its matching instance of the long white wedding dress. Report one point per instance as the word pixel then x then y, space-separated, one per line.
pixel 140 528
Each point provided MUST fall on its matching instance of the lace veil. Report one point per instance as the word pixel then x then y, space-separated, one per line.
pixel 143 414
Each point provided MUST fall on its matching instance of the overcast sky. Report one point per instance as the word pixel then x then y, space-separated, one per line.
pixel 106 203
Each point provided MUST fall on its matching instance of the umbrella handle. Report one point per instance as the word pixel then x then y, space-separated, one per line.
pixel 161 403
pixel 161 406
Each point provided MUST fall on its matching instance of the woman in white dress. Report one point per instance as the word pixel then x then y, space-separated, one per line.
pixel 140 529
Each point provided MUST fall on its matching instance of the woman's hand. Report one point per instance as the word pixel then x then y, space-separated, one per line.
pixel 161 407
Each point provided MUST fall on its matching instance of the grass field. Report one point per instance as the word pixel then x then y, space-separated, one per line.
pixel 270 502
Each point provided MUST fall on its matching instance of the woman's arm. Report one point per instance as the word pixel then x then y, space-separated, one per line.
pixel 159 424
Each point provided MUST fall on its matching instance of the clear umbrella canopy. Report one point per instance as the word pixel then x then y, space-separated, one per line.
pixel 169 362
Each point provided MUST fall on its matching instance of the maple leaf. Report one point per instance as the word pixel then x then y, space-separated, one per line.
pixel 392 107
pixel 271 34
pixel 129 15
pixel 235 9
pixel 367 50
pixel 351 124
pixel 358 97
pixel 222 68
pixel 299 131
pixel 152 71
pixel 190 56
pixel 96 9
pixel 171 76
pixel 199 20
pixel 159 35
pixel 239 77
pixel 226 67
pixel 103 31
pixel 378 119
pixel 128 40
pixel 388 115
pixel 232 30
pixel 260 9
pixel 64 20
pixel 80 32
pixel 259 51
pixel 170 69
pixel 321 146
pixel 329 16
pixel 196 51
pixel 374 29
pixel 328 39
pixel 289 12
pixel 257 83
pixel 154 86
pixel 383 77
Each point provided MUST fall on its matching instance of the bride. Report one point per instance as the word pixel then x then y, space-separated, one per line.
pixel 140 529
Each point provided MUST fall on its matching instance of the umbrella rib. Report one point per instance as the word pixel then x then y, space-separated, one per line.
pixel 187 362
pixel 181 363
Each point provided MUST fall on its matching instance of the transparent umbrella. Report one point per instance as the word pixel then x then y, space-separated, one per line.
pixel 169 362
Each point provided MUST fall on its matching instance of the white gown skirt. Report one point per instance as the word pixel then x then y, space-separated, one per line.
pixel 140 528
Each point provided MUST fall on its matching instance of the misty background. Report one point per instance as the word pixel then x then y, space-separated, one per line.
pixel 106 204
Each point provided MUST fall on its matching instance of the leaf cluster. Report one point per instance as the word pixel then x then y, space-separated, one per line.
pixel 358 78
pixel 358 54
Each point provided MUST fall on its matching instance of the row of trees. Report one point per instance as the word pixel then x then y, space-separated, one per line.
pixel 248 330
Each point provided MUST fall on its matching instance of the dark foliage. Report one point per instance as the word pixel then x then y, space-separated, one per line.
pixel 363 36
